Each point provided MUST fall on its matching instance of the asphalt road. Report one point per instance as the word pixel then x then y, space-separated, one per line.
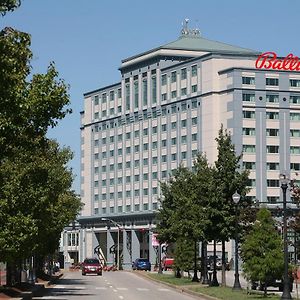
pixel 110 286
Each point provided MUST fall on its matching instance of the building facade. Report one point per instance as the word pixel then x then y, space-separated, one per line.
pixel 168 106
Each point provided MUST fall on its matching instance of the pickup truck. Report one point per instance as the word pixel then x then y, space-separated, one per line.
pixel 167 263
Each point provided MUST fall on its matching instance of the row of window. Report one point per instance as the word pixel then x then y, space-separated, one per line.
pixel 271 98
pixel 270 183
pixel 271 115
pixel 137 207
pixel 270 149
pixel 146 114
pixel 271 166
pixel 271 132
pixel 269 81
pixel 112 96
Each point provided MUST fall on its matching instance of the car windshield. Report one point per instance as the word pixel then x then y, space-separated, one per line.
pixel 91 261
pixel 143 260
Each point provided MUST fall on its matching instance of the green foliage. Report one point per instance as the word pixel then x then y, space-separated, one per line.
pixel 184 254
pixel 261 250
pixel 8 5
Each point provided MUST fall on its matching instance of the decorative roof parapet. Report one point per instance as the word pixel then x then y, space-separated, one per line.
pixel 187 32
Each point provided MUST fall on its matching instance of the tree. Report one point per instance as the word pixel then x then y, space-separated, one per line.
pixel 228 178
pixel 261 250
pixel 184 254
pixel 8 5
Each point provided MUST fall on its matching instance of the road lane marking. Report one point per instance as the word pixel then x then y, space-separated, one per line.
pixel 122 289
pixel 142 289
pixel 101 288
pixel 121 297
pixel 111 286
pixel 164 290
pixel 59 287
pixel 114 290
pixel 78 287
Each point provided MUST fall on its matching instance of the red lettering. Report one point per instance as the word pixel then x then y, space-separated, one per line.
pixel 263 62
pixel 269 60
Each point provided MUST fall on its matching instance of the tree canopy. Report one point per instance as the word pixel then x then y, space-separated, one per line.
pixel 8 5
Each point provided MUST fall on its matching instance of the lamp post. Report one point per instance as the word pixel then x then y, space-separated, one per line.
pixel 118 244
pixel 286 295
pixel 159 259
pixel 236 286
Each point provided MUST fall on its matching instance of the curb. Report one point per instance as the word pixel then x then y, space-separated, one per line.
pixel 181 289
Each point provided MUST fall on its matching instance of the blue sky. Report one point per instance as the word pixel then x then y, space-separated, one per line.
pixel 87 39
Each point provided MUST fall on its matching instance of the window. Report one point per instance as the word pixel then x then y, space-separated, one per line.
pixel 183 155
pixel 120 195
pixel 248 114
pixel 128 195
pixel 173 141
pixel 96 143
pixel 120 151
pixel 136 148
pixel 145 192
pixel 272 115
pixel 183 92
pixel 295 150
pixel 128 150
pixel 154 145
pixel 194 71
pixel 249 148
pixel 128 164
pixel 96 115
pixel 164 158
pixel 272 149
pixel 96 155
pixel 154 191
pixel 145 92
pixel 104 113
pixel 249 165
pixel 295 166
pixel 111 153
pixel 272 98
pixel 154 129
pixel 119 109
pixel 145 161
pixel 194 88
pixel 112 111
pixel 272 183
pixel 163 174
pixel 111 181
pixel 137 177
pixel 183 106
pixel 194 153
pixel 163 79
pixel 183 74
pixel 119 93
pixel 164 127
pixel 248 80
pixel 96 99
pixel 145 176
pixel 173 125
pixel 136 133
pixel 104 98
pixel 136 207
pixel 173 156
pixel 120 166
pixel 136 193
pixel 251 182
pixel 136 94
pixel 194 121
pixel 174 94
pixel 127 96
pixel 164 143
pixel 272 81
pixel 96 183
pixel 104 140
pixel 173 109
pixel 194 137
pixel 272 199
pixel 103 154
pixel 153 81
pixel 183 139
pixel 295 82
pixel 145 147
pixel 103 169
pixel 103 196
pixel 163 97
pixel 173 77
pixel 183 123
pixel 272 166
pixel 112 139
pixel 248 97
pixel 272 132
pixel 120 180
pixel 111 167
pixel 295 132
pixel 104 182
pixel 248 131
pixel 128 179
pixel 295 116
pixel 136 163
pixel 154 160
pixel 295 99
pixel 112 95
pixel 194 104
pixel 120 136
pixel 128 135
pixel 146 206
pixel 145 131
pixel 154 175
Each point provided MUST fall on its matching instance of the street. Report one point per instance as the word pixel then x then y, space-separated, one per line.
pixel 110 286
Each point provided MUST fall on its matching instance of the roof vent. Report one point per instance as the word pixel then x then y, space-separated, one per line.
pixel 186 32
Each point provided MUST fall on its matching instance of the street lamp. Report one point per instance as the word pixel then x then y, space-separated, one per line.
pixel 236 286
pixel 286 295
pixel 118 245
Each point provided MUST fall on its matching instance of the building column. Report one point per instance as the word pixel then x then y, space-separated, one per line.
pixel 66 254
pixel 127 250
pixel 152 252
pixel 110 243
pixel 135 245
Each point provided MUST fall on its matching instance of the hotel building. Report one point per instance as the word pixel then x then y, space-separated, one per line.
pixel 169 105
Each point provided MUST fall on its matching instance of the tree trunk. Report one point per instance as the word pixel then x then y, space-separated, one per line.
pixel 8 274
pixel 265 290
pixel 223 265
pixel 205 277
pixel 177 273
pixel 195 277
pixel 215 279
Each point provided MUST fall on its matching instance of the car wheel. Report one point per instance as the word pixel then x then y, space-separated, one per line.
pixel 99 274
pixel 83 274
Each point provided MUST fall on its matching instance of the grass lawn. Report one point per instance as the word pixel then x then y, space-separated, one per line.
pixel 216 292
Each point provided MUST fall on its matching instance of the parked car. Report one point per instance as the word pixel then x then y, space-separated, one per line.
pixel 273 283
pixel 141 264
pixel 91 266
pixel 167 263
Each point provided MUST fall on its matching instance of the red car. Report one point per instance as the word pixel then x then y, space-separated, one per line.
pixel 167 263
pixel 91 266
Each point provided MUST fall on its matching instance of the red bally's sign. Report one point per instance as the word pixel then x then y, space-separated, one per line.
pixel 269 60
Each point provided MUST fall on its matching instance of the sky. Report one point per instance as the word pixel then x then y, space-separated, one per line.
pixel 87 39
